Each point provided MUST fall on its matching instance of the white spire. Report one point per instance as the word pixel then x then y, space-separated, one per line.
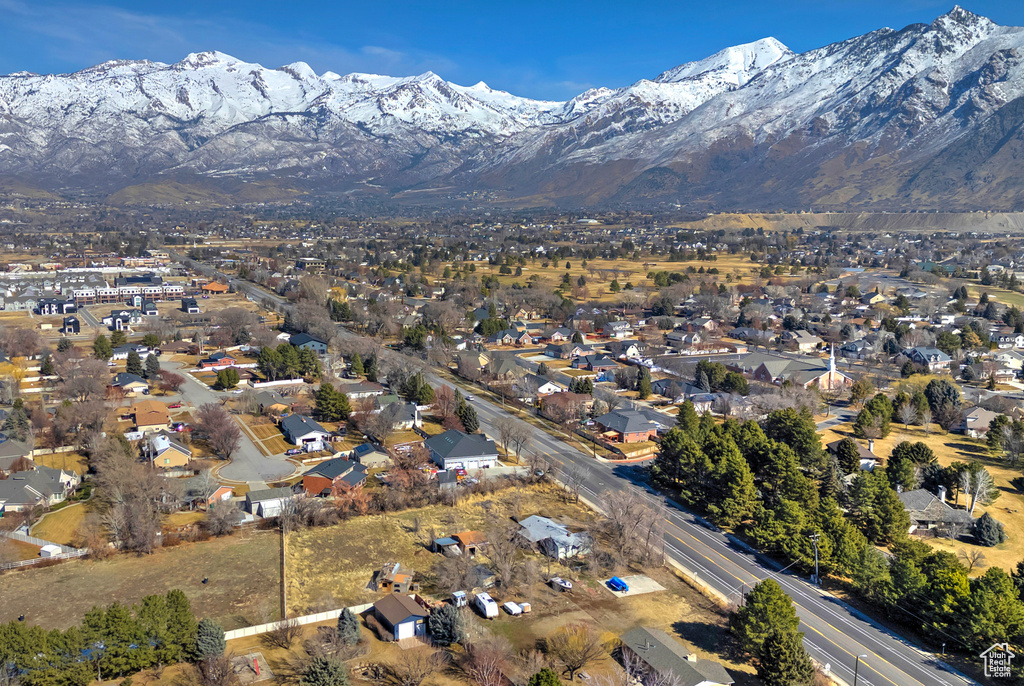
pixel 832 359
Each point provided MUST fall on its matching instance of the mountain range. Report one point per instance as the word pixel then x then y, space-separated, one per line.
pixel 929 116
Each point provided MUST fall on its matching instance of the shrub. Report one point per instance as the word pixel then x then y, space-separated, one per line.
pixel 988 531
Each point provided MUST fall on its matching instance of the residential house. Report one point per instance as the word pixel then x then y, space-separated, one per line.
pixel 122 352
pixel 407 415
pixel 856 350
pixel 929 511
pixel 627 350
pixel 802 341
pixel 215 288
pixel 511 337
pixel 505 368
pixel 402 616
pixel 71 326
pixel 457 450
pixel 682 340
pixel 327 477
pixel 932 358
pixel 621 329
pixel 561 335
pixel 1009 339
pixel 544 385
pixel 123 320
pixel 370 456
pixel 198 491
pixel 270 402
pixel 268 502
pixel 150 416
pixel 362 390
pixel 566 406
pixel 307 342
pixel 304 432
pixel 393 579
pixel 600 364
pixel 166 453
pixel 626 426
pixel 554 539
pixel 130 384
pixel 190 306
pixel 218 360
pixel 868 459
pixel 975 422
pixel 664 660
pixel 38 486
pixel 470 542
pixel 1010 359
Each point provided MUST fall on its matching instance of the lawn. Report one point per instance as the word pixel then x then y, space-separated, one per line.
pixel 74 462
pixel 62 526
pixel 332 566
pixel 948 448
pixel 243 573
pixel 15 551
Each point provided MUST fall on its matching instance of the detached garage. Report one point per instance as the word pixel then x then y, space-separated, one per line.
pixel 402 616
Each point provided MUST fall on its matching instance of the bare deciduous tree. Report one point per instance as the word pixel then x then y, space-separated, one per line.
pixel 574 647
pixel 971 558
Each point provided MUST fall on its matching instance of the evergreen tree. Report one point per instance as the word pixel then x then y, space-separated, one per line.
pixel 64 345
pixel 118 338
pixel 46 367
pixel 988 531
pixel 545 677
pixel 16 424
pixel 783 660
pixel 643 384
pixel 210 640
pixel 467 415
pixel 735 485
pixel 994 609
pixel 182 627
pixel 371 369
pixel 357 364
pixel 848 455
pixel 766 609
pixel 796 428
pixel 324 671
pixel 446 625
pixel 348 628
pixel 134 364
pixel 101 348
pixel 152 367
pixel 687 419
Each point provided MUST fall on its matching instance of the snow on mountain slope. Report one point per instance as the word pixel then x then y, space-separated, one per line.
pixel 811 122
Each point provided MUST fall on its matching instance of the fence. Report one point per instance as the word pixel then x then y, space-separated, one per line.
pixel 301 621
pixel 282 382
pixel 51 451
pixel 66 552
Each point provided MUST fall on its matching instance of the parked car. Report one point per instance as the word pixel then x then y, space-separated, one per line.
pixel 560 584
pixel 470 398
pixel 618 585
pixel 174 406
pixel 293 451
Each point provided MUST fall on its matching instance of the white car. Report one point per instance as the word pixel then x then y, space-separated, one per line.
pixel 560 583
pixel 470 398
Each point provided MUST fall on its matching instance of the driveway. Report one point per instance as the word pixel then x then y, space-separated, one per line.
pixel 247 462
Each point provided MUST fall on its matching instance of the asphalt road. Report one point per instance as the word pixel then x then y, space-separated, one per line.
pixel 834 633
pixel 247 463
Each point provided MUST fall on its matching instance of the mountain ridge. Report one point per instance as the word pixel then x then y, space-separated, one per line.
pixel 928 116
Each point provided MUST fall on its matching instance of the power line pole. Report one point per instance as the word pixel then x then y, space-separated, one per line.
pixel 814 540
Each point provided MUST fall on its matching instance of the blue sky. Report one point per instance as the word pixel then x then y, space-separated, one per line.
pixel 552 49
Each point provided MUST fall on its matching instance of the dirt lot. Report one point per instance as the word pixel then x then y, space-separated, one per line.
pixel 243 582
pixel 1008 508
pixel 333 566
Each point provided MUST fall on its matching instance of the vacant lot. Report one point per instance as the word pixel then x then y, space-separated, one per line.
pixel 332 566
pixel 1008 507
pixel 72 462
pixel 243 586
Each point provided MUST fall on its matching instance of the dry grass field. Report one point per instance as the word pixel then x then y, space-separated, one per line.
pixel 333 566
pixel 74 462
pixel 243 571
pixel 1008 508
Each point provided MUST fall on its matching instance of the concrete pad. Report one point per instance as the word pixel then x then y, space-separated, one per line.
pixel 245 668
pixel 639 584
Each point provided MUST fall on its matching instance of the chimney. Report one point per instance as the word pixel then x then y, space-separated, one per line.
pixel 871 446
pixel 692 657
pixel 942 493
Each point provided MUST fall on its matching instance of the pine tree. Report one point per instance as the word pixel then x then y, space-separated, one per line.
pixel 446 625
pixel 101 348
pixel 357 364
pixel 118 338
pixel 848 455
pixel 152 367
pixel 767 609
pixel 783 660
pixel 348 628
pixel 209 639
pixel 46 367
pixel 467 415
pixel 64 345
pixel 134 364
pixel 988 531
pixel 687 419
pixel 371 370
pixel 643 384
pixel 181 623
pixel 324 671
pixel 545 677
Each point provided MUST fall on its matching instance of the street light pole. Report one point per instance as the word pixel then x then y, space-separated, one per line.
pixel 856 668
pixel 814 540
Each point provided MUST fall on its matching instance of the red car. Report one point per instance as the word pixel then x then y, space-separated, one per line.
pixel 174 406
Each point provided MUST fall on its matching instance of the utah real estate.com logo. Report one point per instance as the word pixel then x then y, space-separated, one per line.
pixel 997 660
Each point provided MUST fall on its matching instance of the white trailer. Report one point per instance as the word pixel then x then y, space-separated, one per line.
pixel 485 604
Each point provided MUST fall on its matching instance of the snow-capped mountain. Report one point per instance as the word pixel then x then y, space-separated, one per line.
pixel 930 115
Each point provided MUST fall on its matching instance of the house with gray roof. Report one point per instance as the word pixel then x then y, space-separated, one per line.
pixel 304 432
pixel 930 511
pixel 665 660
pixel 554 539
pixel 932 358
pixel 268 502
pixel 39 486
pixel 626 426
pixel 458 450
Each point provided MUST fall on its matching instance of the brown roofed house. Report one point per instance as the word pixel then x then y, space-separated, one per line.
pixel 150 415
